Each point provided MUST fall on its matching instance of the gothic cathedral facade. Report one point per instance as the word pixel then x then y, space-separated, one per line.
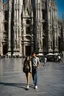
pixel 30 25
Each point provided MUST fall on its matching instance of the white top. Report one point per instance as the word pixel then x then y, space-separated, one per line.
pixel 35 61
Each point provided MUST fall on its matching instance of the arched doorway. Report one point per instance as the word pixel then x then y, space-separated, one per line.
pixel 28 50
pixel 4 49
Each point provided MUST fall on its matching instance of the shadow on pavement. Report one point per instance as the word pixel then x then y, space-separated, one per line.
pixel 18 85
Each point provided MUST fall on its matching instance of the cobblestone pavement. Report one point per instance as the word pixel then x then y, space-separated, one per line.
pixel 13 82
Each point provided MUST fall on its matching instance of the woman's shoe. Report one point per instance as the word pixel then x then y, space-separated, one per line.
pixel 27 87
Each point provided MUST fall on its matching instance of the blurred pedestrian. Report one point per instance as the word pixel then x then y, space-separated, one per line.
pixel 45 60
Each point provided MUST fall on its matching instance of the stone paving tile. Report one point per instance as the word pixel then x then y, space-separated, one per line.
pixel 13 83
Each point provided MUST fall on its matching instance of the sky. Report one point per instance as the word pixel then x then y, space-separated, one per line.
pixel 60 8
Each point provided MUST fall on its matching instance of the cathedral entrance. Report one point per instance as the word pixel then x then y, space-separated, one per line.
pixel 28 50
pixel 4 49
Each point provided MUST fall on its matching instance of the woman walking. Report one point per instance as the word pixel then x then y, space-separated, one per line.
pixel 27 69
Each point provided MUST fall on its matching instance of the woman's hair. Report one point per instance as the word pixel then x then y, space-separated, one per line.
pixel 27 61
pixel 26 58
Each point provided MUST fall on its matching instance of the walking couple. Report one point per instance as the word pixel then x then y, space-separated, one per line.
pixel 30 66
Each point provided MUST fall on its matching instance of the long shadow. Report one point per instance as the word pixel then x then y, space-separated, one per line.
pixel 18 85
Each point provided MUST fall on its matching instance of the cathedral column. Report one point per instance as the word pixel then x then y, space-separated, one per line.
pixel 32 22
pixel 17 20
pixel 49 42
pixel 15 25
pixel 20 27
pixel 2 36
pixel 1 49
pixel 57 38
pixel 49 14
pixel 23 35
pixel 39 28
pixel 9 28
pixel 55 30
pixel 55 41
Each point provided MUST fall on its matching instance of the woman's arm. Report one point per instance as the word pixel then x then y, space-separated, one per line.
pixel 30 66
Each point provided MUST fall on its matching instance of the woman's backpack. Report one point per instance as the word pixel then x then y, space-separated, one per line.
pixel 26 66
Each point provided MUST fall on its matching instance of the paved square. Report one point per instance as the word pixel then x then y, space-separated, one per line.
pixel 13 82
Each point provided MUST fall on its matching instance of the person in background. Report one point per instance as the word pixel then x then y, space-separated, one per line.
pixel 45 60
pixel 35 65
pixel 59 58
pixel 27 69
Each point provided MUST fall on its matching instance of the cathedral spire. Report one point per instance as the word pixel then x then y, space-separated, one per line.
pixel 28 6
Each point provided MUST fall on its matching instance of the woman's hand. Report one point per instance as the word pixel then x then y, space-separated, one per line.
pixel 30 72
